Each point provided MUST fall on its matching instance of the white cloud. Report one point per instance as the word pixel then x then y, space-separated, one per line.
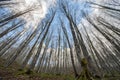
pixel 35 16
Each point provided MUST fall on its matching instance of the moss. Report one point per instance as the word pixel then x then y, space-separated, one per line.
pixel 69 77
pixel 46 75
pixel 28 72
pixel 24 72
pixel 84 62
pixel 20 69
pixel 20 72
pixel 85 74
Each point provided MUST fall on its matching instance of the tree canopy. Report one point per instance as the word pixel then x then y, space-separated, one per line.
pixel 81 37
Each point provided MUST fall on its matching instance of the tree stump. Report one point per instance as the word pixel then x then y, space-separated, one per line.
pixel 85 74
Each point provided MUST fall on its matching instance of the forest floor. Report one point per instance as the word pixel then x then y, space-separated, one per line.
pixel 13 72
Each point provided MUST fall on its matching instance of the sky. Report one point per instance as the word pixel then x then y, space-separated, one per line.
pixel 34 17
pixel 42 13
